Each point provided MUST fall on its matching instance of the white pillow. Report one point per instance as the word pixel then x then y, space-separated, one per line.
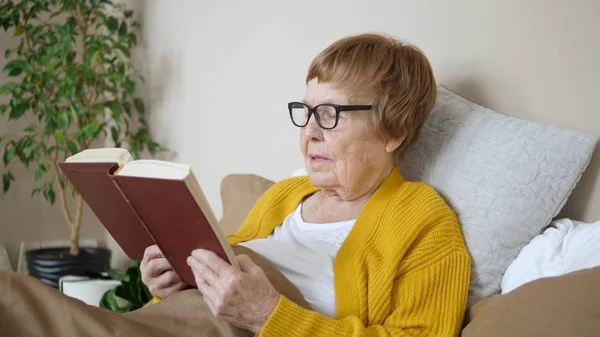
pixel 565 247
pixel 506 178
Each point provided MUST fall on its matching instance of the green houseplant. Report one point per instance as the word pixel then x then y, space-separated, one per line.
pixel 131 289
pixel 73 82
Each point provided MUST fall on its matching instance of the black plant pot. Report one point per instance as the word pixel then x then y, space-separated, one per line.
pixel 50 264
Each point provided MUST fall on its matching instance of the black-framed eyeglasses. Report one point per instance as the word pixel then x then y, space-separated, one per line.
pixel 326 115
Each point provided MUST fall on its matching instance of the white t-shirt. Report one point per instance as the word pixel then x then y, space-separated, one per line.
pixel 304 253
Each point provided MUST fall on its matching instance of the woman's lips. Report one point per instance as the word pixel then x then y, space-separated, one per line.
pixel 317 159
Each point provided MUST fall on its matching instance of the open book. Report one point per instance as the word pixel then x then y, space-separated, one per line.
pixel 143 202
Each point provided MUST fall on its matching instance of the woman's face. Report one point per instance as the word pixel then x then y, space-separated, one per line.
pixel 349 159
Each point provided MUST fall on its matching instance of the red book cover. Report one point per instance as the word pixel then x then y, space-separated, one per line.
pixel 94 181
pixel 140 210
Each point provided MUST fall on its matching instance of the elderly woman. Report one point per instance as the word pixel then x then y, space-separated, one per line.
pixel 372 253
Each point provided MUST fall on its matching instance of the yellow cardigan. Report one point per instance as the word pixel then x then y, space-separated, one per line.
pixel 402 271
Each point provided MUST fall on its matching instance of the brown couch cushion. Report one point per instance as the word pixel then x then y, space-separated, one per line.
pixel 30 308
pixel 239 192
pixel 567 305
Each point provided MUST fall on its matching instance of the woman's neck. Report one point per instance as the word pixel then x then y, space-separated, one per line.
pixel 331 205
pixel 359 191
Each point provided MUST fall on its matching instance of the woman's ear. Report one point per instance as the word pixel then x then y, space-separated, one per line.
pixel 393 144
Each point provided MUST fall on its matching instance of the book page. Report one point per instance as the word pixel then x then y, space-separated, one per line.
pixel 148 168
pixel 103 155
pixel 194 187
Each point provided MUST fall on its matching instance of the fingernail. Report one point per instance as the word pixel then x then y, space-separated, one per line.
pixel 189 261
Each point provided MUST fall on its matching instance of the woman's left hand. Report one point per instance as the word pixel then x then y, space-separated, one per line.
pixel 244 298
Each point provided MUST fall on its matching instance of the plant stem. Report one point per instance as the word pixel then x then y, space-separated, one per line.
pixel 61 193
pixel 76 226
pixel 85 25
pixel 74 249
pixel 27 37
pixel 63 199
pixel 93 93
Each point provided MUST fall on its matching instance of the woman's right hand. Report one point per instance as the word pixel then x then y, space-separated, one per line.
pixel 158 274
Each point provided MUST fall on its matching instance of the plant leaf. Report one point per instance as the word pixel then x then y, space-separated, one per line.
pixel 19 110
pixel 14 67
pixel 114 133
pixel 123 28
pixel 8 87
pixel 125 51
pixel 59 135
pixel 110 302
pixel 28 147
pixel 49 194
pixel 92 128
pixel 104 300
pixel 126 294
pixel 74 116
pixel 42 168
pixel 6 180
pixel 31 128
pixel 139 105
pixel 129 85
pixel 97 109
pixel 9 153
pixel 116 274
pixel 94 59
pixel 63 120
pixel 112 24
pixel 117 109
pixel 72 147
pixel 36 191
pixel 18 30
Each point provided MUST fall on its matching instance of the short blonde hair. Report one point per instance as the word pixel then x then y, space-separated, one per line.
pixel 396 75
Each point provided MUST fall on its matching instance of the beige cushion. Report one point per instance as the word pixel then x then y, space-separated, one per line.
pixel 567 305
pixel 239 192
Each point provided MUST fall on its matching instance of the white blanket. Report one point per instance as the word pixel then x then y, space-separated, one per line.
pixel 564 247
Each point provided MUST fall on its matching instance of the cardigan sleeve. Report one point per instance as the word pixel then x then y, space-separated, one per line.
pixel 427 302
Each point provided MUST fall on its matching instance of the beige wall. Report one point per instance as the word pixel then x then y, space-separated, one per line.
pixel 219 75
pixel 221 72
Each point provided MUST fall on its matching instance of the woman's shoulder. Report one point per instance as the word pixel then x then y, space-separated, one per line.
pixel 414 197
pixel 420 192
pixel 417 210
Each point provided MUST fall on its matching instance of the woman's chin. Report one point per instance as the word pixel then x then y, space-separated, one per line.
pixel 322 179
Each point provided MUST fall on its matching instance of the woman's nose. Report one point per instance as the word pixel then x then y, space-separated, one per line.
pixel 312 130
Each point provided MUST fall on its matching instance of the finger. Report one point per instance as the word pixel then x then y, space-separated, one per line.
pixel 158 266
pixel 212 260
pixel 152 252
pixel 166 280
pixel 204 271
pixel 173 289
pixel 198 277
pixel 207 291
pixel 146 256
